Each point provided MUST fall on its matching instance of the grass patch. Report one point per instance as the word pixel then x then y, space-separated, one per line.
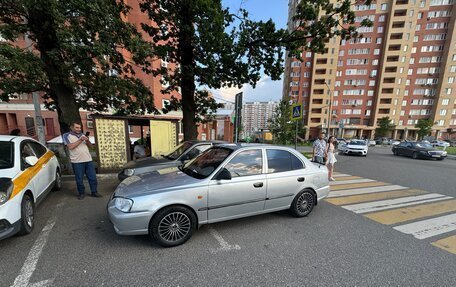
pixel 450 150
pixel 307 154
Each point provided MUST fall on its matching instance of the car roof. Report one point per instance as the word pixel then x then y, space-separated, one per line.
pixel 211 141
pixel 237 146
pixel 14 138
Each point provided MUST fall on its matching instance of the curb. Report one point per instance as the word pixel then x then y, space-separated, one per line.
pixel 103 176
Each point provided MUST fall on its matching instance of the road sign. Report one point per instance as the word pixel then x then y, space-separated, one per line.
pixel 296 112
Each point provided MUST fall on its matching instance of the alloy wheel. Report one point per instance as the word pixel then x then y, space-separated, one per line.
pixel 174 226
pixel 305 203
pixel 29 214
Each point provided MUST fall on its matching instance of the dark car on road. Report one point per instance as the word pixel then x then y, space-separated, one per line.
pixel 418 150
pixel 182 153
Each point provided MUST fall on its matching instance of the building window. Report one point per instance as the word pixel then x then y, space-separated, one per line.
pixel 443 112
pixel 450 80
pixel 380 29
pixel 372 83
pixel 377 52
pixel 441 123
pixel 445 102
pixel 384 6
pixel 448 91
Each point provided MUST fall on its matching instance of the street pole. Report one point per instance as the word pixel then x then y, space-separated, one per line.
pixel 296 134
pixel 36 102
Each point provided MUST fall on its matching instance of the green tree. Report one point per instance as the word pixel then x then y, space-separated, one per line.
pixel 424 127
pixel 214 47
pixel 280 124
pixel 384 127
pixel 79 50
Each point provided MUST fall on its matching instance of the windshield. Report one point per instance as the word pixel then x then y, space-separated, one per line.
pixel 6 155
pixel 203 165
pixel 357 143
pixel 180 149
pixel 424 145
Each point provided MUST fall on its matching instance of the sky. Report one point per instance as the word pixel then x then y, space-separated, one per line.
pixel 266 89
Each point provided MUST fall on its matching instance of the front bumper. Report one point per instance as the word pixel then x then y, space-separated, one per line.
pixel 355 151
pixel 7 229
pixel 130 223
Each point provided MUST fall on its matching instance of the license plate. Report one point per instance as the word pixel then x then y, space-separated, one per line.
pixel 435 155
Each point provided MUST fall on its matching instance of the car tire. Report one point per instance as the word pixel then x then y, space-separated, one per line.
pixel 57 182
pixel 172 226
pixel 27 215
pixel 303 203
pixel 415 155
pixel 395 152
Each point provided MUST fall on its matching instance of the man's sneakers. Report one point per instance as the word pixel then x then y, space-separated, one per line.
pixel 96 194
pixel 81 196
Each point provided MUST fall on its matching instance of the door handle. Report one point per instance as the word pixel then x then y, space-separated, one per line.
pixel 301 179
pixel 258 184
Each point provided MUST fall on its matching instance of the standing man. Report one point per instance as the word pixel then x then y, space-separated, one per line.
pixel 319 149
pixel 78 145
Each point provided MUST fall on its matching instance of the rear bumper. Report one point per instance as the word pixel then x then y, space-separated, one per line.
pixel 322 192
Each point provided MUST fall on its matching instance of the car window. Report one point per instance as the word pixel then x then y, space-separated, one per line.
pixel 202 166
pixel 194 152
pixel 7 154
pixel 281 160
pixel 26 150
pixel 403 144
pixel 38 149
pixel 245 163
pixel 178 151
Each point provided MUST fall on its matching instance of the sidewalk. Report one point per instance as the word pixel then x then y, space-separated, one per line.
pixel 100 176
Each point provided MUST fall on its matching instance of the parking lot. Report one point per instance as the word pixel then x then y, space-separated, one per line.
pixel 74 243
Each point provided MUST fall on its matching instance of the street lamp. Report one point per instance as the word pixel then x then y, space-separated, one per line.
pixel 329 108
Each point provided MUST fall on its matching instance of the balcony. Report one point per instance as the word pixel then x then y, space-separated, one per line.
pixel 396 36
pixel 390 69
pixel 394 47
pixel 400 13
pixel 320 71
pixel 322 61
pixel 392 59
pixel 384 111
pixel 387 91
pixel 385 101
pixel 402 2
pixel 315 120
pixel 318 92
pixel 317 102
pixel 319 81
pixel 389 80
pixel 398 24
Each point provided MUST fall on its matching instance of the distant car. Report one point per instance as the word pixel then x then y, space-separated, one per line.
pixel 341 140
pixel 223 183
pixel 182 153
pixel 419 150
pixel 440 143
pixel 395 142
pixel 358 147
pixel 381 141
pixel 371 143
pixel 28 171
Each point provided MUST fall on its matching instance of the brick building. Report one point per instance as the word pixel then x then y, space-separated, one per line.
pixel 403 67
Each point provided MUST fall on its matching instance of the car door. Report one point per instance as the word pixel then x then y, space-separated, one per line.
pixel 37 175
pixel 244 193
pixel 47 166
pixel 285 176
pixel 408 150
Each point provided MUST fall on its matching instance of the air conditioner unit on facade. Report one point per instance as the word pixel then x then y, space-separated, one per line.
pixel 90 124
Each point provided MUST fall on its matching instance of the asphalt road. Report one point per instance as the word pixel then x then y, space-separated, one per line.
pixel 74 244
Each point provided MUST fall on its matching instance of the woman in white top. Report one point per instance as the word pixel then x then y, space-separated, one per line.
pixel 330 157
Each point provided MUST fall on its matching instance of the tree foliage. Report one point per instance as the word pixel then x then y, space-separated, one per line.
pixel 78 53
pixel 282 127
pixel 384 127
pixel 424 127
pixel 214 47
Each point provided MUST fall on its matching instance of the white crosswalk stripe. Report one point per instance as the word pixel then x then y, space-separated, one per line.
pixel 365 190
pixel 430 227
pixel 340 175
pixel 361 180
pixel 394 203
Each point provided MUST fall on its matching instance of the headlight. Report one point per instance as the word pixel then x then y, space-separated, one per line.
pixel 6 188
pixel 123 204
pixel 444 153
pixel 129 171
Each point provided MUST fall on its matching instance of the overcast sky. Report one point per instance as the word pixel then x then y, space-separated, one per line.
pixel 266 89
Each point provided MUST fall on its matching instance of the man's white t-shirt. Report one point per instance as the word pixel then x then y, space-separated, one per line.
pixel 140 149
pixel 81 152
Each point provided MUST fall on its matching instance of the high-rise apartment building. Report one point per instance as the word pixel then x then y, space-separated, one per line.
pixel 403 67
pixel 255 116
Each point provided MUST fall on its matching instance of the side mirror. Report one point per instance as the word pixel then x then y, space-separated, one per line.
pixel 31 160
pixel 223 174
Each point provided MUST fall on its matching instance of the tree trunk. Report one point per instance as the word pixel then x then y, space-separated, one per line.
pixel 42 28
pixel 186 54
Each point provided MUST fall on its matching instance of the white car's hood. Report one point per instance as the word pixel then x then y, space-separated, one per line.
pixel 357 146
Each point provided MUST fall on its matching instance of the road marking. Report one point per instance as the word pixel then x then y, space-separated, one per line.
pixel 357 185
pixel 395 203
pixel 365 190
pixel 374 196
pixel 430 227
pixel 29 266
pixel 361 180
pixel 415 212
pixel 43 283
pixel 224 246
pixel 447 244
pixel 336 175
pixel 344 178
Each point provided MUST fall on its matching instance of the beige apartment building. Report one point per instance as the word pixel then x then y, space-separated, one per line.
pixel 403 67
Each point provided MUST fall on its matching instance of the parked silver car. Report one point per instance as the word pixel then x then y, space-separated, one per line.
pixel 182 153
pixel 223 183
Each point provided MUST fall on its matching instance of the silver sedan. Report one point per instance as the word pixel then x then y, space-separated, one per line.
pixel 223 183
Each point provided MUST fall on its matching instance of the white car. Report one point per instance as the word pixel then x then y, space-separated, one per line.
pixel 440 143
pixel 28 170
pixel 356 147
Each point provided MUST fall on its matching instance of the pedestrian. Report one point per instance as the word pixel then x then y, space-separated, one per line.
pixel 330 158
pixel 139 150
pixel 318 149
pixel 78 146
